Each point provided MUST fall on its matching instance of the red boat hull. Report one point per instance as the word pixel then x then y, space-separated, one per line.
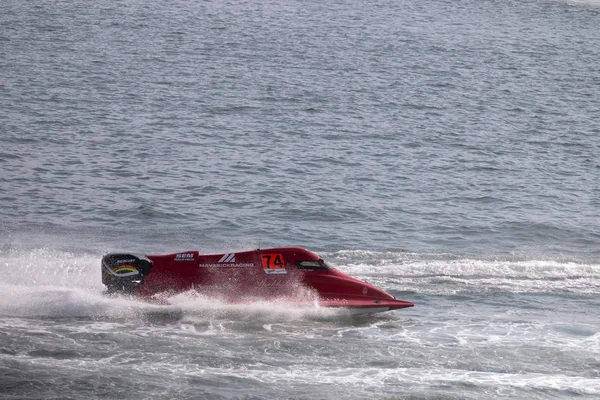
pixel 279 273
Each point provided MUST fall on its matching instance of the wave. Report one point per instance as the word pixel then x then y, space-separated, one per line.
pixel 451 274
pixel 52 283
pixel 417 379
pixel 57 283
pixel 592 3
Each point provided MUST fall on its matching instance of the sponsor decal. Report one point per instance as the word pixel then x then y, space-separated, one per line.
pixel 223 265
pixel 275 271
pixel 127 261
pixel 227 261
pixel 125 269
pixel 273 264
pixel 120 271
pixel 275 283
pixel 184 257
pixel 227 258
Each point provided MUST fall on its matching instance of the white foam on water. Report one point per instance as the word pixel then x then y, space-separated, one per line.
pixel 51 283
pixel 59 302
pixel 592 3
pixel 447 274
pixel 288 308
pixel 46 282
pixel 390 378
pixel 292 342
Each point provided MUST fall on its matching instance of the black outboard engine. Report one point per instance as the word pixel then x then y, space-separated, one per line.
pixel 122 273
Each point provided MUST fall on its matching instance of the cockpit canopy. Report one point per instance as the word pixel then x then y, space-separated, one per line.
pixel 313 264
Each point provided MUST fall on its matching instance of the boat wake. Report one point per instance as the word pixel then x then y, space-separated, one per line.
pixel 451 274
pixel 51 283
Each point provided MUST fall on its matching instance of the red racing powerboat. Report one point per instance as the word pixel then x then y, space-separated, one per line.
pixel 264 274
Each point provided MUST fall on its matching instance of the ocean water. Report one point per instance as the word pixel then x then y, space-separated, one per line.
pixel 445 151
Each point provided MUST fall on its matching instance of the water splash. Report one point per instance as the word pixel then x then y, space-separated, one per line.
pixel 46 282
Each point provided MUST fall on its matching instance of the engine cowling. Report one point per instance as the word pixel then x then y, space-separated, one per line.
pixel 123 273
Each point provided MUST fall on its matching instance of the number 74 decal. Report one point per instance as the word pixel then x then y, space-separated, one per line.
pixel 273 264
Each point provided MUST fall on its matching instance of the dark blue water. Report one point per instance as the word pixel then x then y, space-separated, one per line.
pixel 445 151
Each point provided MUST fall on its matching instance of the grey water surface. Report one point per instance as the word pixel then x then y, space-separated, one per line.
pixel 445 151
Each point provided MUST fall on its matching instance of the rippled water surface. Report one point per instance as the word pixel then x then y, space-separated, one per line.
pixel 445 151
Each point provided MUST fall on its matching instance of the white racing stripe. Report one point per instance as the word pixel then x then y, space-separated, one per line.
pixel 227 258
